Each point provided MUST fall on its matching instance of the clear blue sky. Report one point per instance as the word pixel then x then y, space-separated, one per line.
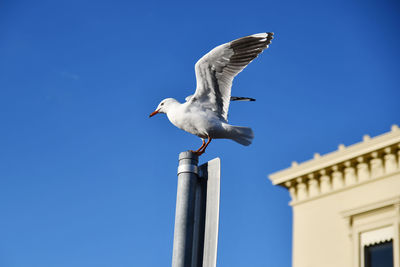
pixel 87 179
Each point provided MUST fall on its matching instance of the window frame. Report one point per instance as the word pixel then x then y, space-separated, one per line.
pixel 374 222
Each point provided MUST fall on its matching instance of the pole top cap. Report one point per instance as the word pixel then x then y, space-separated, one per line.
pixel 189 155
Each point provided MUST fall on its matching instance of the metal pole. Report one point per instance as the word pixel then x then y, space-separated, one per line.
pixel 185 205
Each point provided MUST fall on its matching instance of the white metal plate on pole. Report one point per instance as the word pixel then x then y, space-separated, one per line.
pixel 212 172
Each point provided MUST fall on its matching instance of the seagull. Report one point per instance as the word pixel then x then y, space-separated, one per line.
pixel 205 113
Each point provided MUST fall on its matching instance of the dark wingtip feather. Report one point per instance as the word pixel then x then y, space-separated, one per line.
pixel 239 98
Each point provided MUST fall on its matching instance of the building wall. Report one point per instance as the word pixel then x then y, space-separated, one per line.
pixel 322 235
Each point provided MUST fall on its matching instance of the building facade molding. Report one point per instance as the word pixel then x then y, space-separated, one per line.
pixel 364 162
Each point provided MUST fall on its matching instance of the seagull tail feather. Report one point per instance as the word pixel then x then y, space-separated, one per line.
pixel 242 135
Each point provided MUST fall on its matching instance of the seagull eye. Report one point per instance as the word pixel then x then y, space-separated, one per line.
pixel 162 104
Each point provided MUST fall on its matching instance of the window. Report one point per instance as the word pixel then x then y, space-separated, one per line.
pixel 374 233
pixel 377 247
pixel 379 255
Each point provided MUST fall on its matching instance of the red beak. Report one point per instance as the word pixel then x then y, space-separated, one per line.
pixel 153 113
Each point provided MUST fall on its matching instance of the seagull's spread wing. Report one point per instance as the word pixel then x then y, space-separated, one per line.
pixel 215 71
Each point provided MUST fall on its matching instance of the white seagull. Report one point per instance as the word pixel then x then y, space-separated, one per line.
pixel 205 113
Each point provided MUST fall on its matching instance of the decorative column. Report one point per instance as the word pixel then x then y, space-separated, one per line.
pixel 398 156
pixel 313 188
pixel 390 160
pixel 362 169
pixel 337 178
pixel 376 165
pixel 292 190
pixel 349 174
pixel 325 181
pixel 301 189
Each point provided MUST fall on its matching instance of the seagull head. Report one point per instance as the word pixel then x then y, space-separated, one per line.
pixel 164 106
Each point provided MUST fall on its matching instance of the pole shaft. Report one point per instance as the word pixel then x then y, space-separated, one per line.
pixel 184 214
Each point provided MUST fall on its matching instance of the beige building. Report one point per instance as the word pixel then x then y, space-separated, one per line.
pixel 346 205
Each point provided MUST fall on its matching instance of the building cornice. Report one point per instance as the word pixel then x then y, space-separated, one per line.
pixel 348 166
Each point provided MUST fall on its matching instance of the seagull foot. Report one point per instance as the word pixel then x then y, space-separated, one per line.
pixel 198 153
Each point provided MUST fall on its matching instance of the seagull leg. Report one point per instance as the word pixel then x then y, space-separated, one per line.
pixel 198 150
pixel 204 148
